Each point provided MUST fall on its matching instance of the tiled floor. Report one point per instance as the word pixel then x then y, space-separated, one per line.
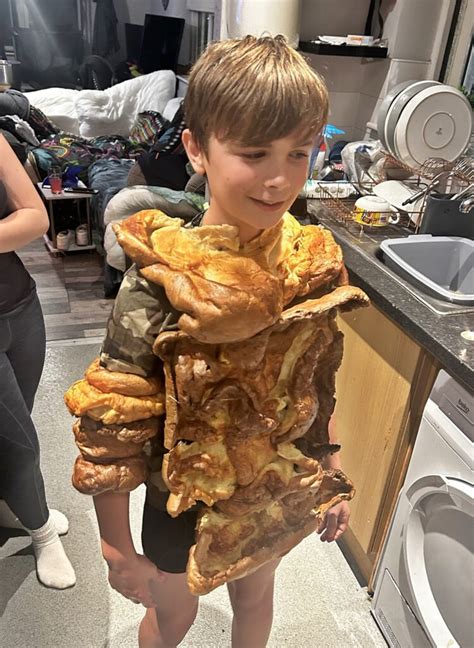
pixel 70 288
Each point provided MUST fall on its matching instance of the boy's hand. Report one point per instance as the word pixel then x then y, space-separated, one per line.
pixel 133 579
pixel 335 522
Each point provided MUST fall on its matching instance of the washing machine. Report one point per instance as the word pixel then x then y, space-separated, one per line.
pixel 424 583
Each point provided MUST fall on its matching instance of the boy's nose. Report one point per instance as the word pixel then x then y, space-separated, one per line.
pixel 276 181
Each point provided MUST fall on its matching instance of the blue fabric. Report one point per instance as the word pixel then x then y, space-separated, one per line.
pixel 109 177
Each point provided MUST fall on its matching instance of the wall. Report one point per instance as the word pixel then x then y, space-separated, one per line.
pixel 416 32
pixel 133 11
pixel 5 28
pixel 319 17
pixel 322 17
pixel 344 76
pixel 462 44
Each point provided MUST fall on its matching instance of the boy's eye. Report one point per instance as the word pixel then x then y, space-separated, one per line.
pixel 254 155
pixel 300 155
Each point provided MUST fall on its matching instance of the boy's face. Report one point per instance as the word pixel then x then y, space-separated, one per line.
pixel 251 187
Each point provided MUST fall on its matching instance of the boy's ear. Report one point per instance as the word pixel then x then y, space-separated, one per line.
pixel 195 155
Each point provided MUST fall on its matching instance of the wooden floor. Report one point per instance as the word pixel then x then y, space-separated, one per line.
pixel 70 288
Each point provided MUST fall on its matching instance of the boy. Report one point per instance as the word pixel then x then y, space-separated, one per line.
pixel 253 110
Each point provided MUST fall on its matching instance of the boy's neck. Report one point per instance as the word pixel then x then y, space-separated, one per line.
pixel 246 232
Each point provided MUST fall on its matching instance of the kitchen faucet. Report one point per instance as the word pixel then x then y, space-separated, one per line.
pixel 466 205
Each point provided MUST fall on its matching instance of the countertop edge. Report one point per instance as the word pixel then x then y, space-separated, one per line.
pixel 358 268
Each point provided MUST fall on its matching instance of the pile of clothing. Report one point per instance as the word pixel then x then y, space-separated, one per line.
pixel 22 124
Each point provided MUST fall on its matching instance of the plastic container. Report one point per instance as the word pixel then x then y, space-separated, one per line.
pixel 441 265
pixel 443 218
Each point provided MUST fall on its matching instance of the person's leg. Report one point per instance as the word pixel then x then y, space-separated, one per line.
pixel 166 542
pixel 8 519
pixel 27 349
pixel 166 625
pixel 22 338
pixel 21 481
pixel 252 603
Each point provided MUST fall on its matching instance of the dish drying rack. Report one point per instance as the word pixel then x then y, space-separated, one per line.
pixel 433 174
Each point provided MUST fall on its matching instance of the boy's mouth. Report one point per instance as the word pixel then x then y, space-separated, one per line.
pixel 268 205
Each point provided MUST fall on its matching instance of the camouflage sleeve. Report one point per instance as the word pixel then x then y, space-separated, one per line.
pixel 141 311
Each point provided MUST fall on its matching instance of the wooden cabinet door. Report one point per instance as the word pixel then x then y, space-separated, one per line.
pixel 377 396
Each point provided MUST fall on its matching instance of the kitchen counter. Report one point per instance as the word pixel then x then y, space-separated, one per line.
pixel 433 324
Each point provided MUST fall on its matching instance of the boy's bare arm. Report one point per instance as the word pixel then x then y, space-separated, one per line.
pixel 130 574
pixel 336 520
pixel 112 510
pixel 332 461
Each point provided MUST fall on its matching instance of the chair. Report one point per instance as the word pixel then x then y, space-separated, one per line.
pixel 96 73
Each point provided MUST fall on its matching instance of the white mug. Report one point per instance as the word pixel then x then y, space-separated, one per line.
pixel 374 211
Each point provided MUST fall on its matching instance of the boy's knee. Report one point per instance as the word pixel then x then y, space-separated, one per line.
pixel 259 601
pixel 174 627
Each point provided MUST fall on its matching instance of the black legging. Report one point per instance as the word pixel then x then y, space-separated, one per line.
pixel 22 351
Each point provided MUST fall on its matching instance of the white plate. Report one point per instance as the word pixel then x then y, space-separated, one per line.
pixel 384 108
pixel 395 193
pixel 397 107
pixel 436 123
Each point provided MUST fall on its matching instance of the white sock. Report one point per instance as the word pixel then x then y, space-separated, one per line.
pixel 52 564
pixel 8 519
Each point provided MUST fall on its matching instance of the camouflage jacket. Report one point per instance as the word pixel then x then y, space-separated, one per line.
pixel 140 313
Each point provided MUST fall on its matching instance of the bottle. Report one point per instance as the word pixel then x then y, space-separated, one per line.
pixel 320 160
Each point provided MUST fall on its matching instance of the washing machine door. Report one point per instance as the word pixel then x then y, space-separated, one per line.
pixel 438 552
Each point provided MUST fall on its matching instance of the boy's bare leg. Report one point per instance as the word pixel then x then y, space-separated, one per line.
pixel 166 625
pixel 252 602
pixel 149 635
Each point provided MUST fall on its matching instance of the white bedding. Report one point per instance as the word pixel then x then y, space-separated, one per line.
pixel 59 105
pixel 90 113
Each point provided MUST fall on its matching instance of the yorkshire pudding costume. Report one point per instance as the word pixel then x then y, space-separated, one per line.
pixel 238 347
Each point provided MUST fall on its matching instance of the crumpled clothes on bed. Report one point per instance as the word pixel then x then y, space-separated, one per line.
pixel 71 150
pixel 13 102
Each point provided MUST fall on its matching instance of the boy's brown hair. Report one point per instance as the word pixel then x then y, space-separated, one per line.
pixel 253 91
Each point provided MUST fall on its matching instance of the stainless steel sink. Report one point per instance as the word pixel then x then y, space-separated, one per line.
pixel 440 265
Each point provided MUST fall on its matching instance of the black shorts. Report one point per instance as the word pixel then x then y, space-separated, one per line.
pixel 166 541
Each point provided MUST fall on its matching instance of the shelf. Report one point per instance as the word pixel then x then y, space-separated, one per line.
pixel 72 248
pixel 362 51
pixel 64 195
